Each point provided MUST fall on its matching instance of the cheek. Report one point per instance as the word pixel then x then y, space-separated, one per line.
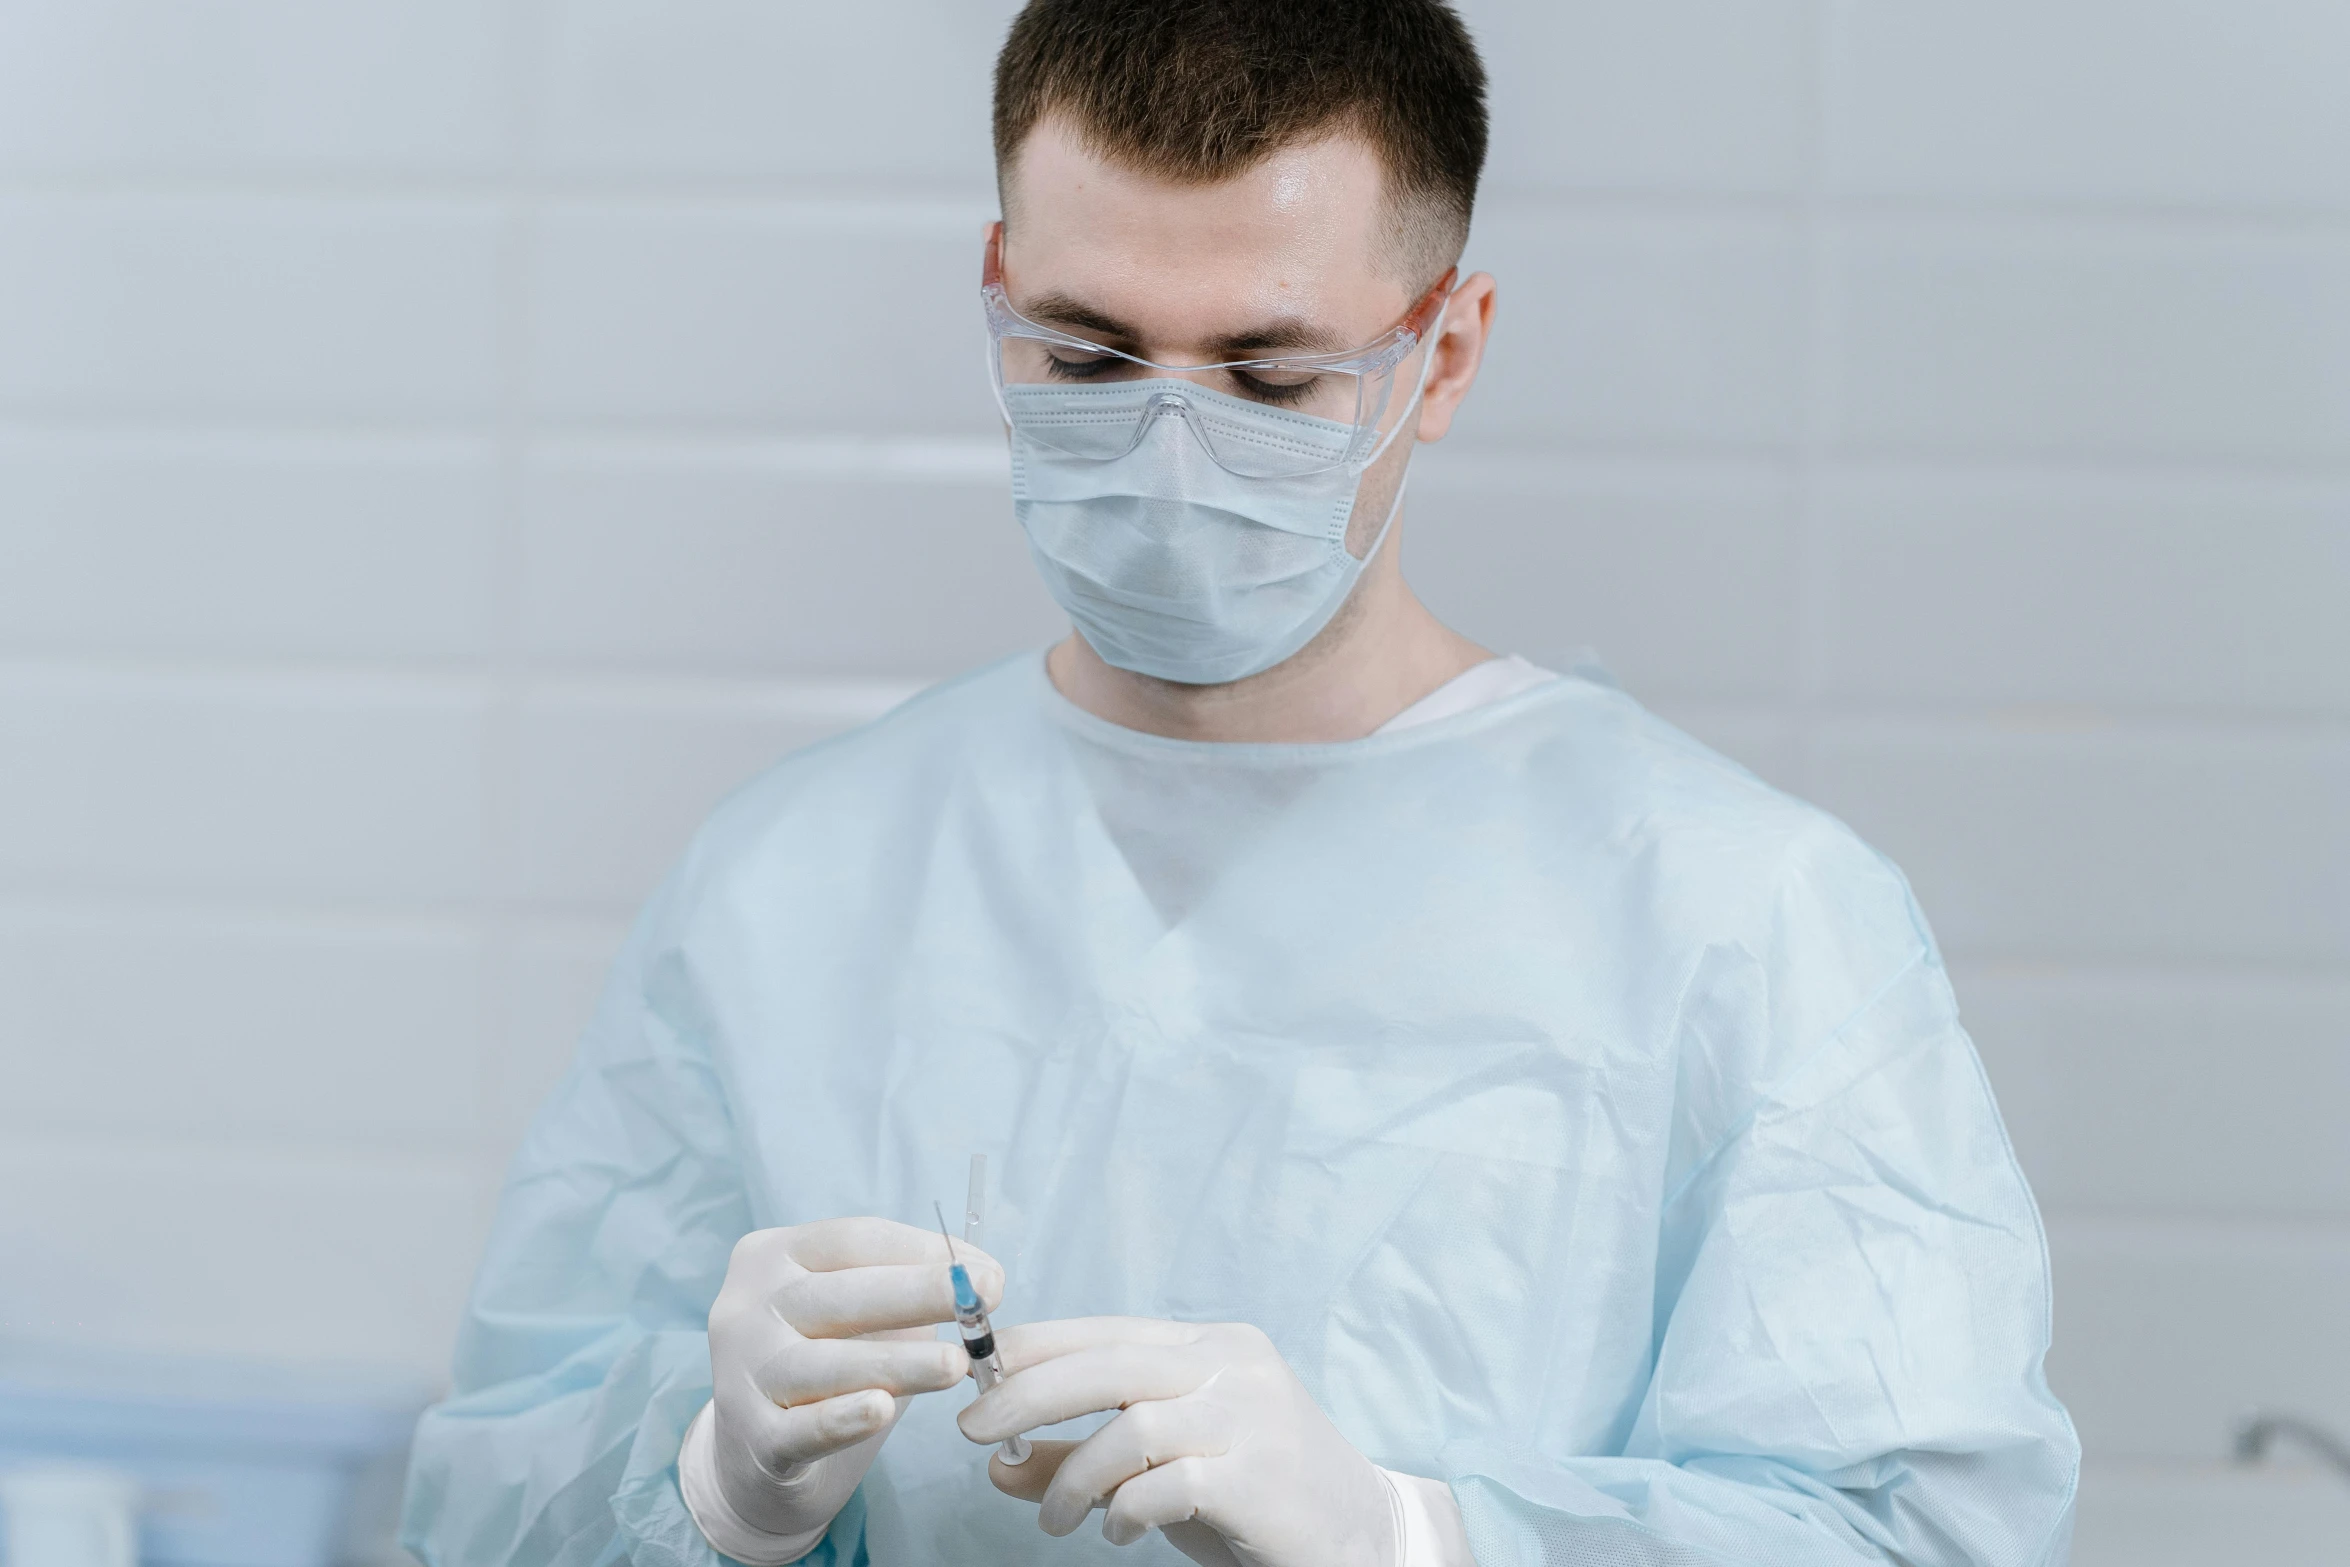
pixel 1375 494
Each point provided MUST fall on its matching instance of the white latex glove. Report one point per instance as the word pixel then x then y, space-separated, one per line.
pixel 819 1337
pixel 1219 1446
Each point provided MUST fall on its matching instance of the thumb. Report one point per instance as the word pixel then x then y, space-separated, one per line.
pixel 1028 1481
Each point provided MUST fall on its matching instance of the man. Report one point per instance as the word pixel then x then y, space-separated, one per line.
pixel 1437 1113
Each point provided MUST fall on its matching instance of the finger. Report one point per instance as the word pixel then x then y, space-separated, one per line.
pixel 922 1335
pixel 850 1301
pixel 762 1259
pixel 1027 1481
pixel 1033 1343
pixel 822 1368
pixel 812 1431
pixel 1141 1439
pixel 829 1244
pixel 1110 1376
pixel 1202 1544
pixel 1169 1494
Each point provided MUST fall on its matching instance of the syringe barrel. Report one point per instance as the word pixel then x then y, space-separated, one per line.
pixel 987 1370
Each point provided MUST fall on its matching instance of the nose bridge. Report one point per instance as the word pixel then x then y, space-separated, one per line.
pixel 1171 410
pixel 1166 405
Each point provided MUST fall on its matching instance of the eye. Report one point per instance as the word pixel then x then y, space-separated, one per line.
pixel 1281 388
pixel 1063 365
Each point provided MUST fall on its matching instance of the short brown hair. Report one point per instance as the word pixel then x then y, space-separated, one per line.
pixel 1201 90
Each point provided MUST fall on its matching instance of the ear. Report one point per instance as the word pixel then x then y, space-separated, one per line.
pixel 1459 347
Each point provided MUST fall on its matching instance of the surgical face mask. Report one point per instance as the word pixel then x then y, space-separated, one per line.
pixel 1192 548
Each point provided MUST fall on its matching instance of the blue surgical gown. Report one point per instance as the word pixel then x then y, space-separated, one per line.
pixel 1589 1125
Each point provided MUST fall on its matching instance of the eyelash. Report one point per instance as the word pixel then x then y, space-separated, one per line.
pixel 1278 396
pixel 1262 391
pixel 1076 369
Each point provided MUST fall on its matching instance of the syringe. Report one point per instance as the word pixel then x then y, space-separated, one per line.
pixel 978 1338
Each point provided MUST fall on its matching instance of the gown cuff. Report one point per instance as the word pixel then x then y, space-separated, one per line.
pixel 697 1482
pixel 1430 1517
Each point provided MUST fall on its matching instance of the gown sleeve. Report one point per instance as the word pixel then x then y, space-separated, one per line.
pixel 1852 1298
pixel 584 1353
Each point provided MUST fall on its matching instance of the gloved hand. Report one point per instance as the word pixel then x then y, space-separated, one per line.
pixel 818 1339
pixel 1220 1446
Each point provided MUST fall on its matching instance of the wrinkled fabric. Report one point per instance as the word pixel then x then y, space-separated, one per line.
pixel 1588 1124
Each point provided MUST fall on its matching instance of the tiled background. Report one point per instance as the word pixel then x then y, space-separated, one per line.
pixel 445 444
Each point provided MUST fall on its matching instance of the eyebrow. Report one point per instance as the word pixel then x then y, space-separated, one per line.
pixel 1284 333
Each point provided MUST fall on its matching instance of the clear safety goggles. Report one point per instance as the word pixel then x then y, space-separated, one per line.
pixel 1080 397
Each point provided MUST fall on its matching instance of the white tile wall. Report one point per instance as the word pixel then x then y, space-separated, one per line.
pixel 2181 1327
pixel 2215 1094
pixel 212 306
pixel 1639 331
pixel 842 318
pixel 2074 338
pixel 2208 103
pixel 734 559
pixel 554 971
pixel 445 446
pixel 217 1246
pixel 149 544
pixel 356 789
pixel 2157 1515
pixel 2088 839
pixel 1701 96
pixel 749 88
pixel 1974 587
pixel 339 1032
pixel 1682 575
pixel 240 86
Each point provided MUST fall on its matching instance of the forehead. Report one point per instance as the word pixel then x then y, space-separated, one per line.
pixel 1298 234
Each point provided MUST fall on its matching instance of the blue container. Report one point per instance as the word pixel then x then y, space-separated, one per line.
pixel 244 1465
